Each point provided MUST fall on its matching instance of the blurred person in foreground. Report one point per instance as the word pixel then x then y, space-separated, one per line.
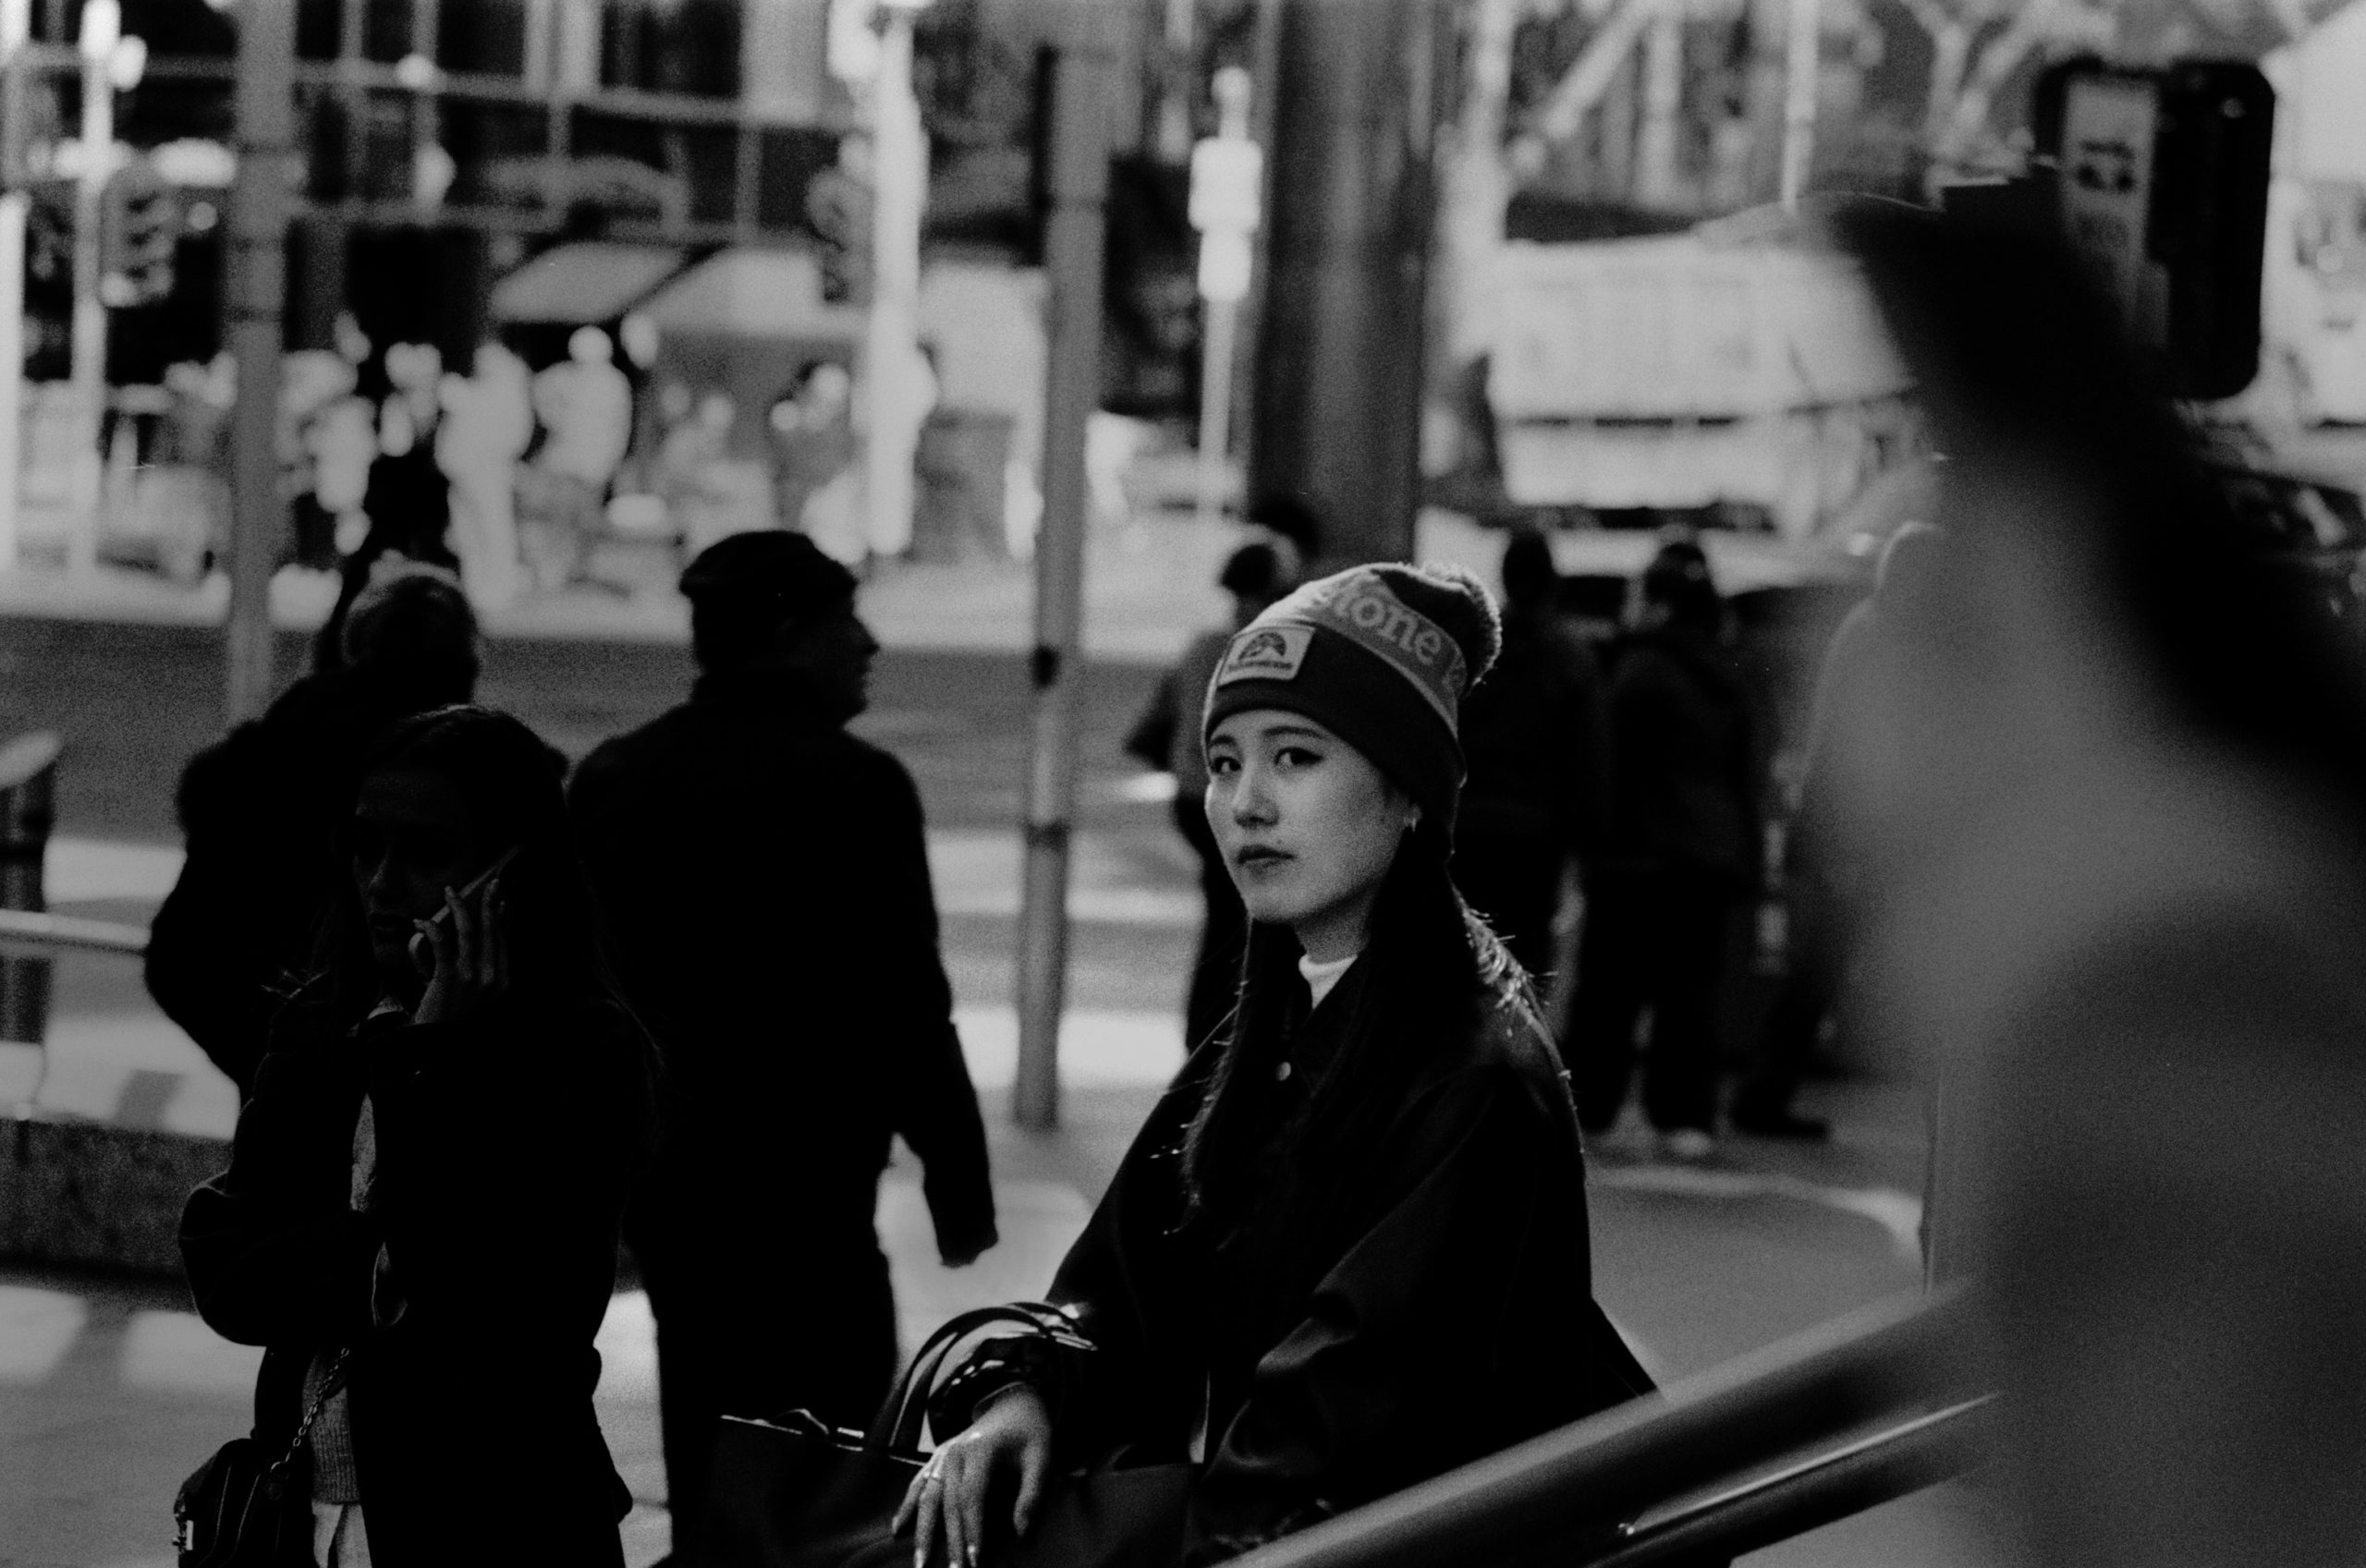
pixel 2122 899
pixel 419 1220
pixel 262 810
pixel 1822 888
pixel 1536 733
pixel 1682 854
pixel 765 876
pixel 1168 737
pixel 1349 1249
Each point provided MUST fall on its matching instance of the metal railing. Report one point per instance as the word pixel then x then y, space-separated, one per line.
pixel 1838 1419
pixel 24 930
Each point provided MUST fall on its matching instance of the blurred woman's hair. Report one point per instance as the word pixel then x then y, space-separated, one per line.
pixel 1430 967
pixel 2019 360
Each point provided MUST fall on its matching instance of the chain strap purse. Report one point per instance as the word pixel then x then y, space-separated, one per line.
pixel 239 1510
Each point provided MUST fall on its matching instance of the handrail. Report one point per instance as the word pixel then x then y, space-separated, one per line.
pixel 24 929
pixel 1574 1487
pixel 1807 1496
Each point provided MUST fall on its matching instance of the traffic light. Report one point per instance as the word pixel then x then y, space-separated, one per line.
pixel 2160 177
pixel 139 233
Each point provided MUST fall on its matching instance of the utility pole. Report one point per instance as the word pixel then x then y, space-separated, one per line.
pixel 892 363
pixel 16 26
pixel 1227 185
pixel 1803 64
pixel 1339 361
pixel 1084 82
pixel 102 30
pixel 254 296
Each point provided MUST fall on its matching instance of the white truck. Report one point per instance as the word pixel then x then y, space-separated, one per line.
pixel 1688 372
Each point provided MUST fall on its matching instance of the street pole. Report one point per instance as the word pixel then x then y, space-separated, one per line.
pixel 1227 189
pixel 1803 61
pixel 891 347
pixel 1084 81
pixel 16 26
pixel 1340 354
pixel 102 30
pixel 254 296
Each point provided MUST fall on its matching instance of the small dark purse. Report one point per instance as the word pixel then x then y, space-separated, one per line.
pixel 240 1510
pixel 796 1493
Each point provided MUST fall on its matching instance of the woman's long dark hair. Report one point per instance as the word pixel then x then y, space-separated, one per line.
pixel 1430 967
pixel 512 781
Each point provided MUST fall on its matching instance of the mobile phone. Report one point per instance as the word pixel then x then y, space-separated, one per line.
pixel 423 950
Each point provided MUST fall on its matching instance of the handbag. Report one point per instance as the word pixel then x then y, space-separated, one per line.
pixel 239 1510
pixel 797 1493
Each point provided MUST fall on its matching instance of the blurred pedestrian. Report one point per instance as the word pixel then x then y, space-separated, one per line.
pixel 1290 516
pixel 487 424
pixel 419 1220
pixel 2121 889
pixel 1823 893
pixel 585 406
pixel 1683 853
pixel 1168 737
pixel 1349 1247
pixel 262 810
pixel 1537 804
pixel 766 875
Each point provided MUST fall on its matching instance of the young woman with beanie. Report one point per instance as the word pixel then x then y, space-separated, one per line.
pixel 420 1219
pixel 1349 1250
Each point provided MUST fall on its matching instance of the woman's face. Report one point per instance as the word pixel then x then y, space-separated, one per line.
pixel 1308 827
pixel 413 836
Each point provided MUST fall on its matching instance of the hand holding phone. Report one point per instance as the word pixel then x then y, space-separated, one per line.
pixel 423 943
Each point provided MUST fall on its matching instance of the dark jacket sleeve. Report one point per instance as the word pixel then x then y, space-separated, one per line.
pixel 935 1104
pixel 504 1144
pixel 206 962
pixel 1582 738
pixel 1414 1323
pixel 274 1252
pixel 1151 740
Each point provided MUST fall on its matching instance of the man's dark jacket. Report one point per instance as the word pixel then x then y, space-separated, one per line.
pixel 765 878
pixel 1686 760
pixel 1536 741
pixel 503 1148
pixel 260 811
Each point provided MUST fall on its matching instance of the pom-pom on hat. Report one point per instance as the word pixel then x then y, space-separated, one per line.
pixel 1381 657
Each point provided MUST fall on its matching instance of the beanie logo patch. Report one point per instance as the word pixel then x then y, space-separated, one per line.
pixel 1265 654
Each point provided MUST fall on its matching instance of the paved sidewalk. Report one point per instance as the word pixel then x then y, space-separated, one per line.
pixel 1149 585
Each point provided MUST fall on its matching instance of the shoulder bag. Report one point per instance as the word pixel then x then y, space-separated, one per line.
pixel 240 1510
pixel 796 1493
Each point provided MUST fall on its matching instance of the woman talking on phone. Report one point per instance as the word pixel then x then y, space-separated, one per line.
pixel 1349 1250
pixel 420 1218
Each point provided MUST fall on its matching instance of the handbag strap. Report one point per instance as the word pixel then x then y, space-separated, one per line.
pixel 330 1387
pixel 898 1425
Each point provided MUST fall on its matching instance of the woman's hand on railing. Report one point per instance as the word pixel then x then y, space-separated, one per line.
pixel 948 1497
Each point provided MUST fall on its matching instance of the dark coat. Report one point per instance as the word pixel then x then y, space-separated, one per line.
pixel 764 876
pixel 504 1146
pixel 261 810
pixel 1374 1322
pixel 1536 742
pixel 1686 760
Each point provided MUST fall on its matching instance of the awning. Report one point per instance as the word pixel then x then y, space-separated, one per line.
pixel 586 282
pixel 747 292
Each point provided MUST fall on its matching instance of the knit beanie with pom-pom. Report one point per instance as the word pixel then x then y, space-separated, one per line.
pixel 1381 657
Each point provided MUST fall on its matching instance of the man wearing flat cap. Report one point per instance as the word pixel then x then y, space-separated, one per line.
pixel 765 878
